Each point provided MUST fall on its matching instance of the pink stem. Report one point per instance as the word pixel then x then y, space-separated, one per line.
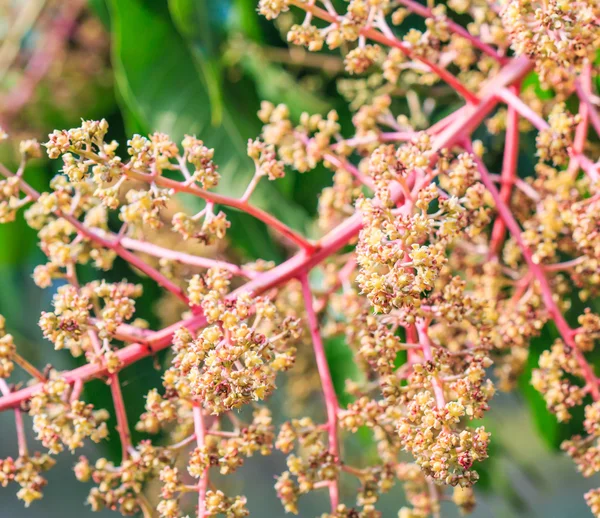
pixel 352 169
pixel 200 433
pixel 514 101
pixel 565 265
pixel 121 414
pixel 181 257
pixel 117 397
pixel 581 133
pixel 583 91
pixel 21 438
pixel 523 186
pixel 526 112
pixel 508 175
pixel 538 272
pixel 331 401
pixel 391 136
pixel 228 201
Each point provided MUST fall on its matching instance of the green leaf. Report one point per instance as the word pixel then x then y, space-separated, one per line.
pixel 247 19
pixel 17 242
pixel 275 84
pixel 158 81
pixel 101 10
pixel 195 21
pixel 533 79
pixel 342 367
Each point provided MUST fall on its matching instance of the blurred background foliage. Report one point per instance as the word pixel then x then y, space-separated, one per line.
pixel 202 67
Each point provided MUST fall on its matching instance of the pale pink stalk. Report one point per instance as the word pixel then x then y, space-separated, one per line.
pixel 21 437
pixel 331 401
pixel 352 169
pixel 389 136
pixel 565 265
pixel 200 433
pixel 182 257
pixel 581 132
pixel 117 397
pixel 523 186
pixel 27 367
pixel 514 101
pixel 582 85
pixel 508 175
pixel 220 199
pixel 77 389
pixel 539 274
pixel 526 112
pixel 121 414
pixel 426 347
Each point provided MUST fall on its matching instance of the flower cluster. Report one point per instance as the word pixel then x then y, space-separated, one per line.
pixel 120 488
pixel 59 419
pixel 396 264
pixel 232 361
pixel 559 36
pixel 68 326
pixel 27 472
pixel 428 274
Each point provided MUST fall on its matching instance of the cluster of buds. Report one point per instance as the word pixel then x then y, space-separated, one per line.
pixel 443 453
pixel 553 143
pixel 234 360
pixel 27 472
pixel 301 146
pixel 396 264
pixel 553 381
pixel 227 450
pixel 68 326
pixel 120 488
pixel 7 350
pixel 558 35
pixel 312 467
pixel 61 419
pixel 9 199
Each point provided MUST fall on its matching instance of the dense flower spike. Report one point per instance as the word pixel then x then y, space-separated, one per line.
pixel 428 272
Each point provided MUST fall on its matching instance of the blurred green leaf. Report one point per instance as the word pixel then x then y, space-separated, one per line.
pixel 342 367
pixel 247 20
pixel 533 80
pixel 11 234
pixel 275 84
pixel 101 10
pixel 196 22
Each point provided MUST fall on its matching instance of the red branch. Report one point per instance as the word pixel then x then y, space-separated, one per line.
pixel 331 401
pixel 539 274
pixel 509 174
pixel 200 433
pixel 452 132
